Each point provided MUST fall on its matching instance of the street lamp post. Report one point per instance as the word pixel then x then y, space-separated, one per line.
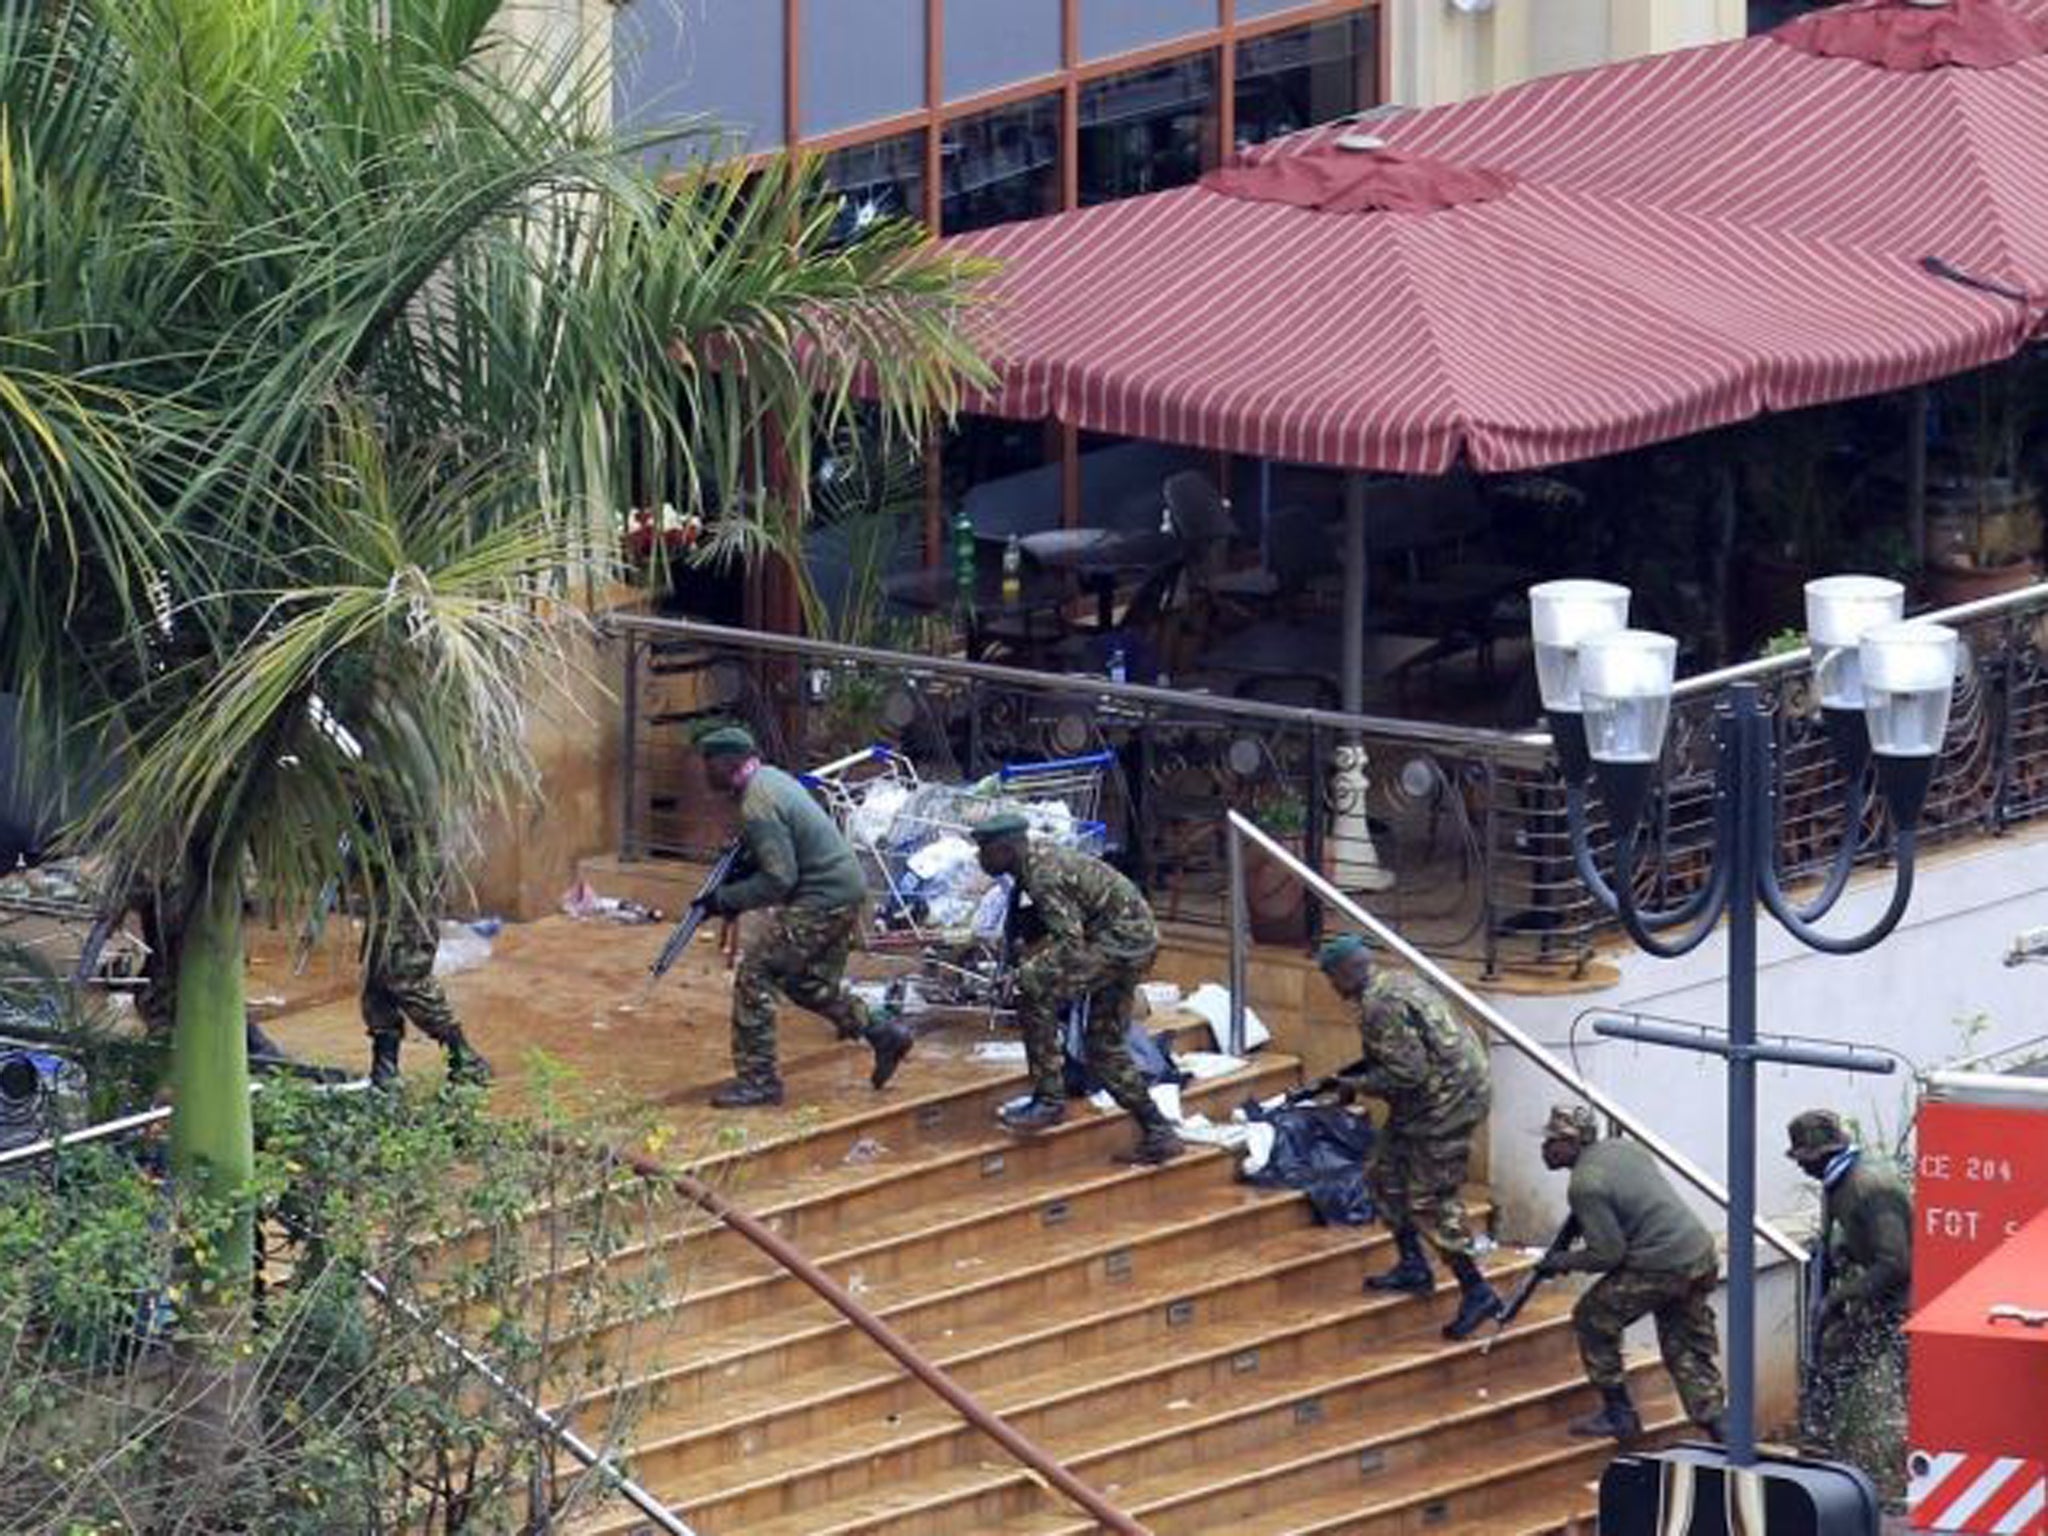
pixel 1885 688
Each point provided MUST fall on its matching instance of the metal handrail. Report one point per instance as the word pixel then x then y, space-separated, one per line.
pixel 1499 1023
pixel 595 1460
pixel 1419 732
pixel 1041 1464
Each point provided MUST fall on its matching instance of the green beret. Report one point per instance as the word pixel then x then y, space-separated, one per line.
pixel 728 741
pixel 1571 1122
pixel 1001 825
pixel 1335 951
pixel 1816 1130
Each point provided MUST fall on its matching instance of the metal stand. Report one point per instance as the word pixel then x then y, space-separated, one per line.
pixel 1745 875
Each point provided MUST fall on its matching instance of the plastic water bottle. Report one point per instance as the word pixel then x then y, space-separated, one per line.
pixel 963 554
pixel 1118 672
pixel 1013 570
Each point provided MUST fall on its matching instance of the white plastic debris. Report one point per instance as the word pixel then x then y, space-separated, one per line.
pixel 865 1150
pixel 1203 1065
pixel 1007 1052
pixel 461 948
pixel 1211 1003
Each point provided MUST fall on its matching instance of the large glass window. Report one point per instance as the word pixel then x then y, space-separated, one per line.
pixel 1118 26
pixel 883 179
pixel 1304 76
pixel 1148 129
pixel 863 60
pixel 681 58
pixel 1001 165
pixel 993 43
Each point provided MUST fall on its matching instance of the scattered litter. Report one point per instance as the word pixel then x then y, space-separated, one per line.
pixel 599 1024
pixel 264 1001
pixel 1211 1003
pixel 1203 1065
pixel 1483 1244
pixel 1482 1392
pixel 1006 1051
pixel 461 949
pixel 487 927
pixel 1180 1405
pixel 856 1284
pixel 1160 995
pixel 865 1150
pixel 581 900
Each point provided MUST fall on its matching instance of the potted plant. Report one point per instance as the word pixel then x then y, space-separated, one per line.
pixel 1983 508
pixel 1275 899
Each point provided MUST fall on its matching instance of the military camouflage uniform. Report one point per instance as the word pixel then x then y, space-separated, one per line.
pixel 1432 1073
pixel 803 868
pixel 399 985
pixel 1097 942
pixel 1868 1226
pixel 1654 1258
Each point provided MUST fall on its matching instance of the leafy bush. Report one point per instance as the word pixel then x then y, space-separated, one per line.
pixel 127 1403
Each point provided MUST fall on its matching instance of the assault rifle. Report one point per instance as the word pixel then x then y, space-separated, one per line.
pixel 1519 1297
pixel 698 909
pixel 1811 1409
pixel 1323 1085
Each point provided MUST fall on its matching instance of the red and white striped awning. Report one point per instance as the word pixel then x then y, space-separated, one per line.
pixel 1686 240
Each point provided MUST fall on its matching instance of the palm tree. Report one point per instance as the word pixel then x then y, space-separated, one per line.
pixel 333 336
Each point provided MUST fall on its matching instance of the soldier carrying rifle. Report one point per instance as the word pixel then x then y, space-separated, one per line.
pixel 805 875
pixel 1653 1255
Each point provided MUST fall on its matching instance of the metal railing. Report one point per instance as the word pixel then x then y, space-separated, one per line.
pixel 587 1455
pixel 1469 823
pixel 1242 832
pixel 1183 759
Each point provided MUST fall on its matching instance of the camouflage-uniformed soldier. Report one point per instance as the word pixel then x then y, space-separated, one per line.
pixel 803 871
pixel 1653 1256
pixel 1867 1224
pixel 1432 1074
pixel 1094 940
pixel 399 985
pixel 162 920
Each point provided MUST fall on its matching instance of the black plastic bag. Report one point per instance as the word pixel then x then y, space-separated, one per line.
pixel 1320 1150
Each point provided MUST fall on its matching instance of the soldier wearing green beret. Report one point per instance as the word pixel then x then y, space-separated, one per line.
pixel 1867 1227
pixel 1094 940
pixel 1653 1256
pixel 804 874
pixel 1432 1074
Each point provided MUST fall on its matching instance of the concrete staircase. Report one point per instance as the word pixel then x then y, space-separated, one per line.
pixel 1196 1349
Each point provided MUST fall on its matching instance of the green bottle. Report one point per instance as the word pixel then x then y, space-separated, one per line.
pixel 963 555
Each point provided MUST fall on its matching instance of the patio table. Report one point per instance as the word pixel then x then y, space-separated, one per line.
pixel 1099 556
pixel 935 590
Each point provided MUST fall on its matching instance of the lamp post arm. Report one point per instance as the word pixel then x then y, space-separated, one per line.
pixel 1706 899
pixel 1775 901
pixel 1708 906
pixel 1855 800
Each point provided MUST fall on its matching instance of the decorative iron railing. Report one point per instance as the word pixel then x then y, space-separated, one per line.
pixel 1459 840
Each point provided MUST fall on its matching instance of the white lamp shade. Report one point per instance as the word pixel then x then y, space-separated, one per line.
pixel 1840 610
pixel 1562 616
pixel 1909 679
pixel 1625 682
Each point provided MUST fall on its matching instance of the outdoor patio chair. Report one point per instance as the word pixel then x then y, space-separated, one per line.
pixel 1298 554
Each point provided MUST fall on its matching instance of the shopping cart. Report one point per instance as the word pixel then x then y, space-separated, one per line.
pixel 933 906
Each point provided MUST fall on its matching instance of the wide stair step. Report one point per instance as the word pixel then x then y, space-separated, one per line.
pixel 1195 1348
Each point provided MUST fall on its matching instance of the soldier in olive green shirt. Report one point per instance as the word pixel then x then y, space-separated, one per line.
pixel 1867 1228
pixel 803 869
pixel 1653 1256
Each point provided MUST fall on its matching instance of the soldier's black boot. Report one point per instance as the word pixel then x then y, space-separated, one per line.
pixel 1411 1273
pixel 1478 1302
pixel 1616 1419
pixel 466 1063
pixel 1157 1141
pixel 1034 1114
pixel 747 1093
pixel 384 1059
pixel 890 1040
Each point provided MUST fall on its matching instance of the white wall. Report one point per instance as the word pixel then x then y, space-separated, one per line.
pixel 1443 54
pixel 1942 965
